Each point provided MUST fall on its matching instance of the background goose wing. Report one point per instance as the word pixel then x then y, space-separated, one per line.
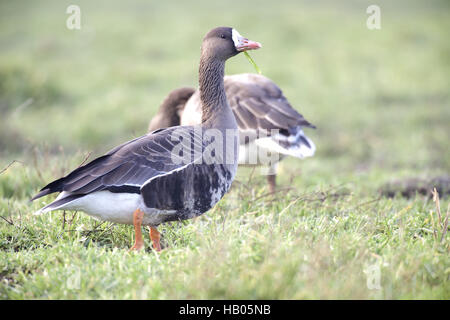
pixel 258 103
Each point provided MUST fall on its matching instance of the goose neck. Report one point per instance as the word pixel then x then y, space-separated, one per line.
pixel 211 86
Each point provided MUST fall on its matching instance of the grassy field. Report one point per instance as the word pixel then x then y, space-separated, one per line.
pixel 379 98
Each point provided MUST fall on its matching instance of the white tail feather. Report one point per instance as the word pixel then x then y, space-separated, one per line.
pixel 299 150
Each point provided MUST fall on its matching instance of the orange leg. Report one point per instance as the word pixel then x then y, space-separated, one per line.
pixel 155 236
pixel 138 216
pixel 271 179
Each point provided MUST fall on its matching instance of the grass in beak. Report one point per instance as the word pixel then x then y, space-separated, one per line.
pixel 252 62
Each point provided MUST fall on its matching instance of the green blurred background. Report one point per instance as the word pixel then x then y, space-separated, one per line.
pixel 378 97
pixel 380 100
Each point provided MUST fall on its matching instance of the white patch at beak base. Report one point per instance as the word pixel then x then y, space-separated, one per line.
pixel 237 38
pixel 243 44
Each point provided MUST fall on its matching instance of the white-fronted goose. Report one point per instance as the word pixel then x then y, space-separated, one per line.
pixel 258 104
pixel 147 181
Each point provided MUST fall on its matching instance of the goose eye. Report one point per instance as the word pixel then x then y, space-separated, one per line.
pixel 222 36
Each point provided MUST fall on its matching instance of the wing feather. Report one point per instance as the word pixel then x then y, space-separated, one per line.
pixel 259 104
pixel 131 164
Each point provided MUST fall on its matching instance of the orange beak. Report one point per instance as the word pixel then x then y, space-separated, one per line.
pixel 243 44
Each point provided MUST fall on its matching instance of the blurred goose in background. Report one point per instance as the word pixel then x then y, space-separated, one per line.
pixel 259 107
pixel 140 182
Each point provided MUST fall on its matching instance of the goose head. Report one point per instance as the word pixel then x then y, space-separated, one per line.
pixel 225 42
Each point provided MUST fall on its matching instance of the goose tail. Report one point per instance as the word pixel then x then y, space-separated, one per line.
pixel 295 144
pixel 60 202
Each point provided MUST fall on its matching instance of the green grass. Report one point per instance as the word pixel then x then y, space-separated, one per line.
pixel 380 100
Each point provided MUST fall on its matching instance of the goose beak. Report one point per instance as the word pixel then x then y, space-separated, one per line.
pixel 243 44
pixel 248 45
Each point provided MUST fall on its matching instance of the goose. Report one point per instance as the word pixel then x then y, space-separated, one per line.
pixel 169 174
pixel 259 107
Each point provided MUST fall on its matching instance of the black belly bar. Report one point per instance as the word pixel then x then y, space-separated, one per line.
pixel 189 192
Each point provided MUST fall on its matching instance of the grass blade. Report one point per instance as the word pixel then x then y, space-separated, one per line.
pixel 252 62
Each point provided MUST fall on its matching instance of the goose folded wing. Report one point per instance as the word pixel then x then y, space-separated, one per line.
pixel 128 167
pixel 259 104
pixel 258 115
